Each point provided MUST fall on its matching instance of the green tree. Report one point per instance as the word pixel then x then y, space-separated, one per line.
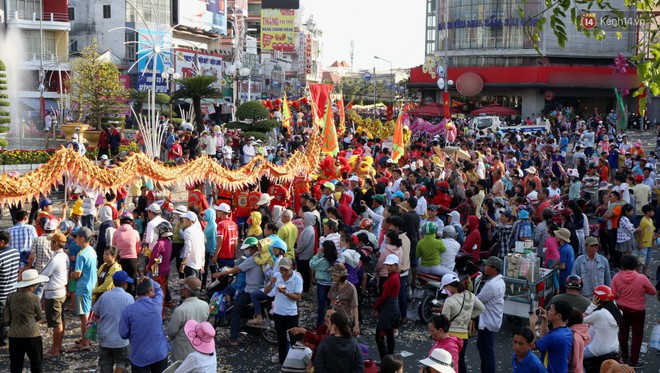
pixel 95 86
pixel 196 88
pixel 253 119
pixel 4 97
pixel 646 51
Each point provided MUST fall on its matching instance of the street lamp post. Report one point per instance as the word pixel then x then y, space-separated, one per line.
pixel 391 69
pixel 167 74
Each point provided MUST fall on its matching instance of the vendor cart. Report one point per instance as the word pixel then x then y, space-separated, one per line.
pixel 523 296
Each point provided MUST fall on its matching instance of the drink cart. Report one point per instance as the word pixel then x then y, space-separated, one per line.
pixel 526 284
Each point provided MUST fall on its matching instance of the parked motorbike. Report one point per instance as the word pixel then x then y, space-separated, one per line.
pixel 469 272
pixel 223 318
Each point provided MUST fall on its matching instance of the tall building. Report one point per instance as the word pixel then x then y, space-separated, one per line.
pixel 197 33
pixel 43 28
pixel 491 58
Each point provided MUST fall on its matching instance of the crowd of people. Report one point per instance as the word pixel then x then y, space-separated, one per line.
pixel 352 246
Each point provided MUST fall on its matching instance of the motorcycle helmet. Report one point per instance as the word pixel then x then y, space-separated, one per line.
pixel 250 241
pixel 366 224
pixel 429 228
pixel 604 293
pixel 164 229
pixel 574 282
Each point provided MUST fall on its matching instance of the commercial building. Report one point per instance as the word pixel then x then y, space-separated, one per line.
pixel 491 59
pixel 37 33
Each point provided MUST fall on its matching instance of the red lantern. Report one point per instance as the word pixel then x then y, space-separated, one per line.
pixel 304 101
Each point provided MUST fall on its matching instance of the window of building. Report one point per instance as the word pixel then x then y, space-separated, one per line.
pixel 33 44
pixel 131 48
pixel 74 46
pixel 72 13
pixel 161 15
pixel 107 13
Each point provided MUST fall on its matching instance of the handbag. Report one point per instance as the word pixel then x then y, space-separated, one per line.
pixel 91 330
pixel 655 337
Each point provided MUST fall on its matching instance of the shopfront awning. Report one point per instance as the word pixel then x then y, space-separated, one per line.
pixel 33 103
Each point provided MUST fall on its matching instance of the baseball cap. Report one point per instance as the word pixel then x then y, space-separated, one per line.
pixel 398 194
pixel 190 215
pixel 45 202
pixel 85 233
pixel 104 157
pixel 495 262
pixel 378 197
pixel 58 237
pixel 449 278
pixel 354 178
pixel 391 259
pixel 51 225
pixel 329 185
pixel 591 240
pixel 432 207
pixel 285 263
pixel 223 207
pixel 121 276
pixel 180 210
pixel 154 208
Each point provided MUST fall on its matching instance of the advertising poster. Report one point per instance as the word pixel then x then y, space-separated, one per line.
pixel 210 15
pixel 162 38
pixel 188 63
pixel 277 30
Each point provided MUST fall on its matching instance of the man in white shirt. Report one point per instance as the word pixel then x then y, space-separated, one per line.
pixel 490 321
pixel 588 137
pixel 150 237
pixel 248 151
pixel 193 246
pixel 642 194
pixel 55 290
pixel 209 144
pixel 452 247
pixel 621 187
pixel 48 122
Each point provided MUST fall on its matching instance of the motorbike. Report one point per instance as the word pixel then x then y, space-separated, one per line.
pixel 592 364
pixel 432 298
pixel 223 319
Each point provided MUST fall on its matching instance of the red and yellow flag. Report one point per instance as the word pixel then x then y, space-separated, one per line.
pixel 330 145
pixel 397 140
pixel 342 117
pixel 286 114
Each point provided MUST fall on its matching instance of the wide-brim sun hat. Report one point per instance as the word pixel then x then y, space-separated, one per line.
pixel 440 360
pixel 264 199
pixel 201 336
pixel 30 277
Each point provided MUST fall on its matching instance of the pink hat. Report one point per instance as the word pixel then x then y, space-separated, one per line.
pixel 638 144
pixel 201 336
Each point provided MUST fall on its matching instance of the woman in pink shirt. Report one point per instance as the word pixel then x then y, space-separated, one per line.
pixel 630 289
pixel 438 327
pixel 127 240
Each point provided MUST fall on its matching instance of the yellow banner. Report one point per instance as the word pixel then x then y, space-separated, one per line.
pixel 278 29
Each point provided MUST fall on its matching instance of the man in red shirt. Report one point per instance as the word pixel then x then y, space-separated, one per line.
pixel 227 238
pixel 241 209
pixel 280 196
pixel 197 198
pixel 543 204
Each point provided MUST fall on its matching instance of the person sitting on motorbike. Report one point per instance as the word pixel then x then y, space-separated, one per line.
pixel 429 250
pixel 254 280
pixel 604 318
pixel 278 251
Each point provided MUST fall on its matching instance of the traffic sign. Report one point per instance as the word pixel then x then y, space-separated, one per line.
pixel 366 76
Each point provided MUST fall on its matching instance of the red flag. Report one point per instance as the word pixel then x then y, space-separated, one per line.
pixel 445 103
pixel 342 117
pixel 350 105
pixel 320 96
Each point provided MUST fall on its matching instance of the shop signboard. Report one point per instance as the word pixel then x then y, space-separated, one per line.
pixel 277 30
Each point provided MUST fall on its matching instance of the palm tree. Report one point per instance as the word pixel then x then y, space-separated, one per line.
pixel 196 88
pixel 138 97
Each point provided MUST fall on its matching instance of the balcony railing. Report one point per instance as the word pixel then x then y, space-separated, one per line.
pixel 35 17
